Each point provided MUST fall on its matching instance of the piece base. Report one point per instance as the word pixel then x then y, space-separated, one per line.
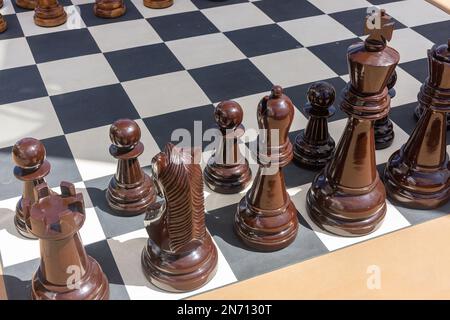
pixel 21 227
pixel 26 4
pixel 109 13
pixel 312 156
pixel 3 25
pixel 50 22
pixel 230 183
pixel 158 4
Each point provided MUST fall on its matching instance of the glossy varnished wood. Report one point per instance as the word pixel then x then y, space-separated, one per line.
pixel 109 8
pixel 158 4
pixel 3 24
pixel 49 13
pixel 27 4
pixel 384 129
pixel 180 254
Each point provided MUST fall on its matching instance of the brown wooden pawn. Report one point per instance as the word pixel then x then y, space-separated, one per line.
pixel 227 170
pixel 158 4
pixel 109 8
pixel 3 24
pixel 66 272
pixel 130 191
pixel 49 13
pixel 314 146
pixel 27 4
pixel 418 175
pixel 383 128
pixel 31 167
pixel 266 219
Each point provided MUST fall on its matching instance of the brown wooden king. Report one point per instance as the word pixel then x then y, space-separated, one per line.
pixel 418 175
pixel 266 218
pixel 347 197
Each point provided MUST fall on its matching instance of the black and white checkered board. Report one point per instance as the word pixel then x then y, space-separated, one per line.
pixel 166 69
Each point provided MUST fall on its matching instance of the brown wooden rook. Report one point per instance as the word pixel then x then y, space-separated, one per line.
pixel 180 254
pixel 49 13
pixel 418 175
pixel 347 197
pixel 158 4
pixel 66 272
pixel 384 130
pixel 130 191
pixel 227 170
pixel 109 8
pixel 266 218
pixel 31 167
pixel 314 146
pixel 27 4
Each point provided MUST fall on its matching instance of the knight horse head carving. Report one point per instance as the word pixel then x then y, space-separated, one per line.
pixel 177 223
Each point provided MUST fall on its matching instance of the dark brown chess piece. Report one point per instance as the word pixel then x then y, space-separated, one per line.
pixel 266 218
pixel 130 191
pixel 418 175
pixel 27 4
pixel 66 272
pixel 227 170
pixel 31 167
pixel 180 254
pixel 109 8
pixel 3 24
pixel 49 13
pixel 347 197
pixel 314 146
pixel 158 4
pixel 384 130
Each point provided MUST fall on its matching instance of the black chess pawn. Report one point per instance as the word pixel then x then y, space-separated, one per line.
pixel 130 191
pixel 227 170
pixel 31 167
pixel 314 146
pixel 384 130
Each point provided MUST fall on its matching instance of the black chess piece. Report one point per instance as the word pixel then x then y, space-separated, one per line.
pixel 314 146
pixel 227 170
pixel 130 191
pixel 384 130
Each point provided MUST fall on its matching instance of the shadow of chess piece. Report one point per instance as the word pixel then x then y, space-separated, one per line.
pixel 49 13
pixel 158 4
pixel 3 24
pixel 384 130
pixel 31 167
pixel 227 170
pixel 347 197
pixel 66 272
pixel 266 218
pixel 130 191
pixel 109 8
pixel 418 175
pixel 314 146
pixel 180 254
pixel 27 4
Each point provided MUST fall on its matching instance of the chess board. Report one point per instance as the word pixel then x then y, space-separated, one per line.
pixel 167 69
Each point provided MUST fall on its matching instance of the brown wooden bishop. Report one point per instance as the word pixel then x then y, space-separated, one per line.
pixel 109 8
pixel 314 146
pixel 66 272
pixel 384 130
pixel 266 218
pixel 31 167
pixel 27 4
pixel 347 197
pixel 227 170
pixel 49 13
pixel 130 191
pixel 158 4
pixel 180 254
pixel 418 175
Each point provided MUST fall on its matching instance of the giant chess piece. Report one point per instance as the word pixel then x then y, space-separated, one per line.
pixel 49 13
pixel 418 175
pixel 266 218
pixel 158 4
pixel 180 254
pixel 31 167
pixel 66 272
pixel 27 4
pixel 227 170
pixel 314 146
pixel 384 130
pixel 109 8
pixel 130 191
pixel 347 197
pixel 3 24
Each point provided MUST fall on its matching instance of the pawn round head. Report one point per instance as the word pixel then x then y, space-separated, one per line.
pixel 28 153
pixel 321 94
pixel 125 133
pixel 228 115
